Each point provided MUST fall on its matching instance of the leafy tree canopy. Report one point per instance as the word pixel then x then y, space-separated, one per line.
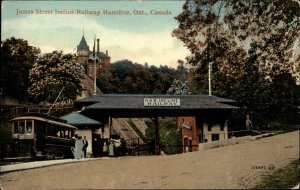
pixel 17 58
pixel 179 87
pixel 53 71
pixel 221 31
pixel 127 77
pixel 251 44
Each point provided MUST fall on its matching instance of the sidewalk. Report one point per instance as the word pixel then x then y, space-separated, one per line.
pixel 38 164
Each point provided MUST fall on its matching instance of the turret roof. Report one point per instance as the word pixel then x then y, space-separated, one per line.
pixel 83 45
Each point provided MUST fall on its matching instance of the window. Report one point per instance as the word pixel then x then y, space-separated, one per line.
pixel 222 127
pixel 28 127
pixel 209 127
pixel 185 144
pixel 22 127
pixel 215 137
pixel 51 130
pixel 68 134
pixel 200 138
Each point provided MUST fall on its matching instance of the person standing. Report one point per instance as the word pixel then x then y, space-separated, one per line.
pixel 105 148
pixel 85 145
pixel 79 148
pixel 101 147
pixel 248 124
pixel 111 148
pixel 73 142
pixel 123 147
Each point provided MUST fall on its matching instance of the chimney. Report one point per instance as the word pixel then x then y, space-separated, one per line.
pixel 106 53
pixel 98 45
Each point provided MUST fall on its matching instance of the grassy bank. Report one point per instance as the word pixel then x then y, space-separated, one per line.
pixel 282 178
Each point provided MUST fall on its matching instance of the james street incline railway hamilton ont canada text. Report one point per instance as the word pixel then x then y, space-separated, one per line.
pixel 92 12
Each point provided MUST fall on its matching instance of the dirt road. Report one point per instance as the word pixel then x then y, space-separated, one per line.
pixel 236 166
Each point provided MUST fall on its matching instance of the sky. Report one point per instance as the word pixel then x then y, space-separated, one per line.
pixel 138 37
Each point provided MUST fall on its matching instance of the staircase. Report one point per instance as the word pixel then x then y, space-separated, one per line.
pixel 140 125
pixel 122 127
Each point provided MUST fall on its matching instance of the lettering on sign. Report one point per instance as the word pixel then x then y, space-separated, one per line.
pixel 162 102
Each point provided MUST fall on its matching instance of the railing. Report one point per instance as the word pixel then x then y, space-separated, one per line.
pixel 240 133
pixel 11 111
pixel 137 147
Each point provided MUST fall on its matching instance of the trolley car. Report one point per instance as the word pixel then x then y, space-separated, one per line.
pixel 42 135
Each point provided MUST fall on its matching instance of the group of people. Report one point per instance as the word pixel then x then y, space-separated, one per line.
pixel 79 147
pixel 111 148
pixel 117 147
pixel 114 147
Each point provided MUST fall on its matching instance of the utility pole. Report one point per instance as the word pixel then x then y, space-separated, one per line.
pixel 95 78
pixel 209 78
pixel 95 68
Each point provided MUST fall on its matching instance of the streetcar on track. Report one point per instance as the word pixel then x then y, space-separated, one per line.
pixel 41 135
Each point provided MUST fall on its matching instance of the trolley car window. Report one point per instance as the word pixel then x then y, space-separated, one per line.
pixel 22 127
pixel 68 134
pixel 51 130
pixel 28 127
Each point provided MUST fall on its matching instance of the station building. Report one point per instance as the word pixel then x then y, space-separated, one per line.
pixel 87 127
pixel 193 132
pixel 201 118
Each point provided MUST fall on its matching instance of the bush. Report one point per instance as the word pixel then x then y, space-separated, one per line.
pixel 170 138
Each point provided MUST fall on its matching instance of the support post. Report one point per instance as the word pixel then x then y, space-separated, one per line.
pixel 138 146
pixel 109 124
pixel 156 138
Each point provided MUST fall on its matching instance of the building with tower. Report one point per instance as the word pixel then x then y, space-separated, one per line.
pixel 93 61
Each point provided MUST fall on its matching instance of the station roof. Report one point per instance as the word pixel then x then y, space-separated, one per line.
pixel 132 105
pixel 75 118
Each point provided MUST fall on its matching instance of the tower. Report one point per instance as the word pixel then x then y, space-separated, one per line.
pixel 83 51
pixel 93 61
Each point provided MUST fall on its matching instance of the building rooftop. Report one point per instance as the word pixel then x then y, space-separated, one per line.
pixel 127 105
pixel 83 45
pixel 75 118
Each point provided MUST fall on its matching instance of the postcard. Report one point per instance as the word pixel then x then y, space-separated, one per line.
pixel 149 94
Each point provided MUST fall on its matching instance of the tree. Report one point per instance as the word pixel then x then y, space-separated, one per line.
pixel 250 44
pixel 17 58
pixel 124 76
pixel 53 71
pixel 169 136
pixel 213 30
pixel 179 87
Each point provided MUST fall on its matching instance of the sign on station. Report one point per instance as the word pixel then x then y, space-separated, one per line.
pixel 162 102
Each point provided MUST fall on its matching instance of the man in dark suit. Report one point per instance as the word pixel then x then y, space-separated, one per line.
pixel 85 145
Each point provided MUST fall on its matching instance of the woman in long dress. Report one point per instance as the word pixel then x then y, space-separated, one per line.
pixel 79 148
